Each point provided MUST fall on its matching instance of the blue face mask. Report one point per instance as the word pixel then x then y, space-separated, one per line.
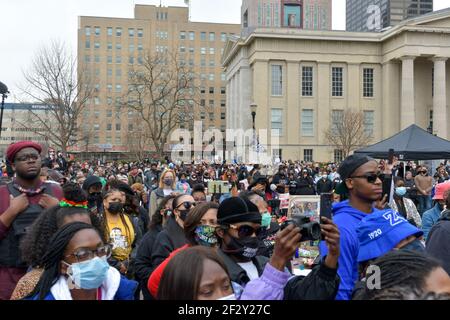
pixel 266 219
pixel 88 274
pixel 400 191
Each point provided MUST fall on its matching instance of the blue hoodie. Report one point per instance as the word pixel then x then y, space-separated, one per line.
pixel 347 219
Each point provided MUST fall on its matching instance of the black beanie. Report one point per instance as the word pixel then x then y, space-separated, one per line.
pixel 235 210
pixel 90 181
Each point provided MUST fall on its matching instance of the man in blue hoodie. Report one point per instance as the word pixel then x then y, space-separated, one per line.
pixel 361 183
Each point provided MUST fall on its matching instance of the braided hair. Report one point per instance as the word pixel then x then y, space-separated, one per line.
pixel 401 268
pixel 54 255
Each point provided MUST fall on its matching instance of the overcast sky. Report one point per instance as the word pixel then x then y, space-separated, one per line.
pixel 27 24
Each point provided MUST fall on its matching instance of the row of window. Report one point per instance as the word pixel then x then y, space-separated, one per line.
pixel 211 103
pixel 307 121
pixel 109 31
pixel 109 45
pixel 203 36
pixel 337 86
pixel 308 155
pixel 211 116
pixel 223 90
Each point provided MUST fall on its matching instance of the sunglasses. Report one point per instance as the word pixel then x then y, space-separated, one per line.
pixel 187 205
pixel 370 177
pixel 245 231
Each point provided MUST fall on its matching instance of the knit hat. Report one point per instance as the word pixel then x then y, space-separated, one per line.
pixel 347 167
pixel 14 148
pixel 90 181
pixel 440 189
pixel 235 210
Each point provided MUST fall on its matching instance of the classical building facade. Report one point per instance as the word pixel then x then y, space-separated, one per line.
pixel 108 48
pixel 378 14
pixel 301 81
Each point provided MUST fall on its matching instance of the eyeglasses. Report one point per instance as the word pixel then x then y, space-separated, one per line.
pixel 25 157
pixel 245 231
pixel 371 177
pixel 84 254
pixel 187 205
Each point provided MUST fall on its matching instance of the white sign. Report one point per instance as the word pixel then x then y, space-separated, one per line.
pixel 105 146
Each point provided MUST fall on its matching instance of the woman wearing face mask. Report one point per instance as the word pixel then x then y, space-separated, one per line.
pixel 172 237
pixel 76 268
pixel 120 230
pixel 404 206
pixel 183 185
pixel 199 229
pixel 165 188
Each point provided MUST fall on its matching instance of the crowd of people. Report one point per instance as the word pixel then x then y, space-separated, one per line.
pixel 73 230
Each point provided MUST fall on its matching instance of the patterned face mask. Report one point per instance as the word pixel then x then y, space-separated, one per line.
pixel 205 235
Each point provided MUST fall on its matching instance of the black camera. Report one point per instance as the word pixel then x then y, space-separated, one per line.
pixel 275 205
pixel 309 230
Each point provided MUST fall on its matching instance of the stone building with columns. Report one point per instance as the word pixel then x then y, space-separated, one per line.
pixel 302 80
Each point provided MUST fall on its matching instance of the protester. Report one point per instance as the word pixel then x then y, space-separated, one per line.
pixel 75 268
pixel 438 240
pixel 424 185
pixel 134 176
pixel 303 185
pixel 198 193
pixel 21 202
pixel 152 177
pixel 361 183
pixel 93 187
pixel 324 185
pixel 182 185
pixel 72 208
pixel 404 206
pixel 431 216
pixel 414 271
pixel 166 187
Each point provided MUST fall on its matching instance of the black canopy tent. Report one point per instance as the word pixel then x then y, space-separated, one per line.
pixel 412 143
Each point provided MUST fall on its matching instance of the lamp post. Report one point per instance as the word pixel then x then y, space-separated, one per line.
pixel 253 108
pixel 3 91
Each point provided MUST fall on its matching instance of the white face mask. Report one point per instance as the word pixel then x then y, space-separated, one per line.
pixel 230 297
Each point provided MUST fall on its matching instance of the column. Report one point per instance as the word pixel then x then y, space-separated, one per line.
pixel 407 110
pixel 440 98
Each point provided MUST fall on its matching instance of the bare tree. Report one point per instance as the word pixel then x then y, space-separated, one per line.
pixel 138 139
pixel 348 132
pixel 52 80
pixel 163 92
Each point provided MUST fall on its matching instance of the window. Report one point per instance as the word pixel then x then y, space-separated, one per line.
pixel 191 35
pixel 223 37
pixel 222 115
pixel 211 77
pixel 223 90
pixel 140 60
pixel 109 125
pixel 223 77
pixel 87 31
pixel 118 73
pixel 212 36
pixel 212 63
pixel 211 50
pixel 202 115
pixel 191 62
pixel 131 60
pixel 203 50
pixel 338 156
pixel 130 127
pixel 203 36
pixel 88 44
pixel 182 35
pixel 307 123
pixel 367 82
pixel 109 31
pixel 97 58
pixel 118 46
pixel 202 90
pixel 211 90
pixel 118 32
pixel 203 62
pixel 211 103
pixel 109 112
pixel 277 80
pixel 97 31
pixel 109 59
pixel 202 102
pixel 96 139
pixel 117 126
pixel 277 121
pixel 118 140
pixel 87 58
pixel 222 103
pixel 140 33
pixel 211 116
pixel 96 127
pixel 202 76
pixel 368 123
pixel 97 45
pixel 96 101
pixel 337 116
pixel 131 32
pixel 191 50
pixel 140 47
pixel 308 155
pixel 118 59
pixel 336 78
pixel 307 81
pixel 182 49
pixel 118 88
pixel 131 48
pixel 109 45
pixel 109 86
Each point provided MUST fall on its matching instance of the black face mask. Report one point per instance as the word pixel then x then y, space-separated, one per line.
pixel 115 207
pixel 245 248
pixel 94 197
pixel 183 214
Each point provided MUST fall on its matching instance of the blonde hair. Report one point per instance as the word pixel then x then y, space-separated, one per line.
pixel 161 179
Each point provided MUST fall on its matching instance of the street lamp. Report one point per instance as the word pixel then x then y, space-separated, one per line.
pixel 253 108
pixel 3 91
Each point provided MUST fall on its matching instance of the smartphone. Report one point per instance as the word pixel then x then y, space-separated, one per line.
pixel 391 156
pixel 326 202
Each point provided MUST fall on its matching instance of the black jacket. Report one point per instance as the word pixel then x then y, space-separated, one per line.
pixel 303 186
pixel 168 240
pixel 324 186
pixel 438 241
pixel 321 284
pixel 143 262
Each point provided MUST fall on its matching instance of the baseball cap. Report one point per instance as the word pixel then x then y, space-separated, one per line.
pixel 440 190
pixel 380 232
pixel 347 167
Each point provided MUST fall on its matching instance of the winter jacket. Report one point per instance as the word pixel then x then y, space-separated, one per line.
pixel 155 198
pixel 324 186
pixel 438 241
pixel 171 238
pixel 430 218
pixel 412 215
pixel 115 287
pixel 143 261
pixel 303 186
pixel 321 284
pixel 347 219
